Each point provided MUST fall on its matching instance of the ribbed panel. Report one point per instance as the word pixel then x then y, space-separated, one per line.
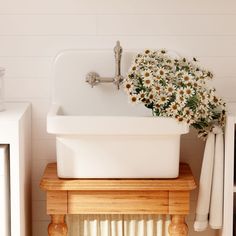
pixel 118 225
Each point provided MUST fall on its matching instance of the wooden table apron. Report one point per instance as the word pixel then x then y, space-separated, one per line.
pixel 117 196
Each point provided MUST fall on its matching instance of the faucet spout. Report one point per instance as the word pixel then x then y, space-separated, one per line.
pixel 118 52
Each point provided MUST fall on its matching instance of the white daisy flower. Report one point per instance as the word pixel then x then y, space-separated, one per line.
pixel 190 121
pixel 188 113
pixel 202 111
pixel 211 93
pixel 148 82
pixel 133 98
pixel 175 107
pixel 127 86
pixel 201 81
pixel 133 67
pixel 204 97
pixel 180 118
pixel 151 96
pixel 196 84
pixel 147 51
pixel 162 51
pixel 157 89
pixel 180 92
pixel 187 78
pixel 157 106
pixel 162 72
pixel 189 91
pixel 162 99
pixel 217 101
pixel 147 78
pixel 198 73
pixel 169 61
pixel 141 96
pixel 181 100
pixel 171 89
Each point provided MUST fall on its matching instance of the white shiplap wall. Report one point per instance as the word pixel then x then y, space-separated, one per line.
pixel 32 32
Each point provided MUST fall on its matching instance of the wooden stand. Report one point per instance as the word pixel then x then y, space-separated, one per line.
pixel 117 196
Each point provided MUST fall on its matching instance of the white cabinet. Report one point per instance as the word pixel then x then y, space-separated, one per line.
pixel 4 191
pixel 229 187
pixel 15 131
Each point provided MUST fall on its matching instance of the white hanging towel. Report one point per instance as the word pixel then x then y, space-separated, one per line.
pixel 216 208
pixel 210 197
pixel 204 195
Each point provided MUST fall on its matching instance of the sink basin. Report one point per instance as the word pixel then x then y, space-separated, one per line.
pixel 99 134
pixel 115 146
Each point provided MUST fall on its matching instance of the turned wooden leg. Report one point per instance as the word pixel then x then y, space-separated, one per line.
pixel 57 227
pixel 178 227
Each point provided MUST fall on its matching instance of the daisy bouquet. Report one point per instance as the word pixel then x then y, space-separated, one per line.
pixel 175 87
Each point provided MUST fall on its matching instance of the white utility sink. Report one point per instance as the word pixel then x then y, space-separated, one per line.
pixel 99 134
pixel 115 146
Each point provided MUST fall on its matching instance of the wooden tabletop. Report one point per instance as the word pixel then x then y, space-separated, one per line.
pixel 51 182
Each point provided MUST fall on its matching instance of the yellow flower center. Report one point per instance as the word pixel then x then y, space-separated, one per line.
pixel 188 91
pixel 215 99
pixel 174 107
pixel 187 112
pixel 128 86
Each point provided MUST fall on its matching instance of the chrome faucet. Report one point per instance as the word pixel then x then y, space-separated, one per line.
pixel 118 52
pixel 94 79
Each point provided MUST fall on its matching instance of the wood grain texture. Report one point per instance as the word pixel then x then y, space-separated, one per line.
pixel 185 182
pixel 114 202
pixel 179 202
pixel 178 227
pixel 57 202
pixel 117 196
pixel 57 227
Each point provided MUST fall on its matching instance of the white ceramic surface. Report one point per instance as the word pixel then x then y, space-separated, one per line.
pixel 15 130
pixel 2 71
pixel 4 191
pixel 97 140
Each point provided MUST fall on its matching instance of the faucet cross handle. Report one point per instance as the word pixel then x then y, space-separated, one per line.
pixel 93 78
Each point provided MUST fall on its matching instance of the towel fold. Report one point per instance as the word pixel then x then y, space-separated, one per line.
pixel 216 208
pixel 210 196
pixel 204 195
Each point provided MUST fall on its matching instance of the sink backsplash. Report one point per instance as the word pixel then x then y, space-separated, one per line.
pixel 76 97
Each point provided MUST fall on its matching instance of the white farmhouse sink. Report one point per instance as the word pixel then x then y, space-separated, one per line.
pixel 100 135
pixel 115 146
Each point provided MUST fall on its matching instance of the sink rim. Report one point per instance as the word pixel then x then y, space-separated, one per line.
pixel 60 124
